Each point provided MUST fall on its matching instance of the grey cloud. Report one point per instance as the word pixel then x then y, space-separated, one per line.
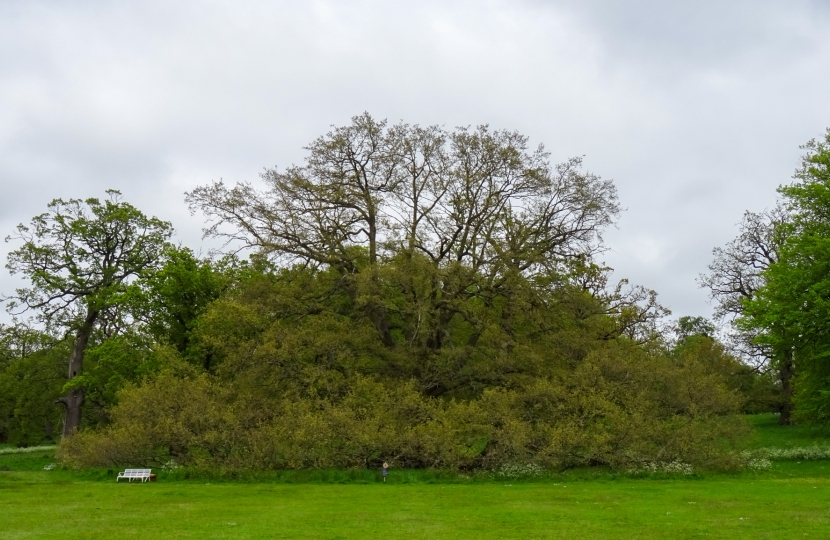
pixel 695 109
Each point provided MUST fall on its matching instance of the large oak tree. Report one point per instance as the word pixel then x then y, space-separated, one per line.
pixel 428 227
pixel 79 258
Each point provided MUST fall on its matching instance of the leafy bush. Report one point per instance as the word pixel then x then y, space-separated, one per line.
pixel 620 408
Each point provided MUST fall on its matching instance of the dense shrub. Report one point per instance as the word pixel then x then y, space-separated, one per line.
pixel 620 407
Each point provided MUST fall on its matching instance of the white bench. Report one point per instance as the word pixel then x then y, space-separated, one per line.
pixel 130 474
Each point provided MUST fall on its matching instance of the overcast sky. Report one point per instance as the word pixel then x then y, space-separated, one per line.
pixel 695 109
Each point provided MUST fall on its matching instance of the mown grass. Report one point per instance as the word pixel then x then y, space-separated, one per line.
pixel 767 433
pixel 791 500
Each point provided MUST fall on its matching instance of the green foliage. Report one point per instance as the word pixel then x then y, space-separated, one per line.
pixel 32 373
pixel 694 326
pixel 618 407
pixel 111 365
pixel 791 312
pixel 171 296
pixel 758 391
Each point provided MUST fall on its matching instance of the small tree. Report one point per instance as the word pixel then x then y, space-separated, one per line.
pixel 79 257
pixel 736 274
pixel 791 312
pixel 172 296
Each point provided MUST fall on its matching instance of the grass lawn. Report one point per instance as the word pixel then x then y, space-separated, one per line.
pixel 792 500
pixel 769 433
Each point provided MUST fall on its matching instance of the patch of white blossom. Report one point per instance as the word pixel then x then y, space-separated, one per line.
pixel 796 453
pixel 758 464
pixel 170 466
pixel 666 467
pixel 527 470
pixel 25 450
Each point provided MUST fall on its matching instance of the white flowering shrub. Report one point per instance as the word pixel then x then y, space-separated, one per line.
pixel 666 467
pixel 759 464
pixel 797 453
pixel 529 470
pixel 25 450
pixel 170 466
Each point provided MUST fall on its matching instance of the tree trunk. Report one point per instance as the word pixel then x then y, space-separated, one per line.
pixel 786 374
pixel 373 236
pixel 72 420
pixel 381 322
pixel 72 401
pixel 436 340
pixel 377 312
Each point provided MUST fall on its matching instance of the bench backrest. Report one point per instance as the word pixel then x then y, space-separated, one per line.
pixel 137 472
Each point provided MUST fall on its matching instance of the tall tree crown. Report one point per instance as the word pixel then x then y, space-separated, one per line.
pixel 80 253
pixel 476 197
